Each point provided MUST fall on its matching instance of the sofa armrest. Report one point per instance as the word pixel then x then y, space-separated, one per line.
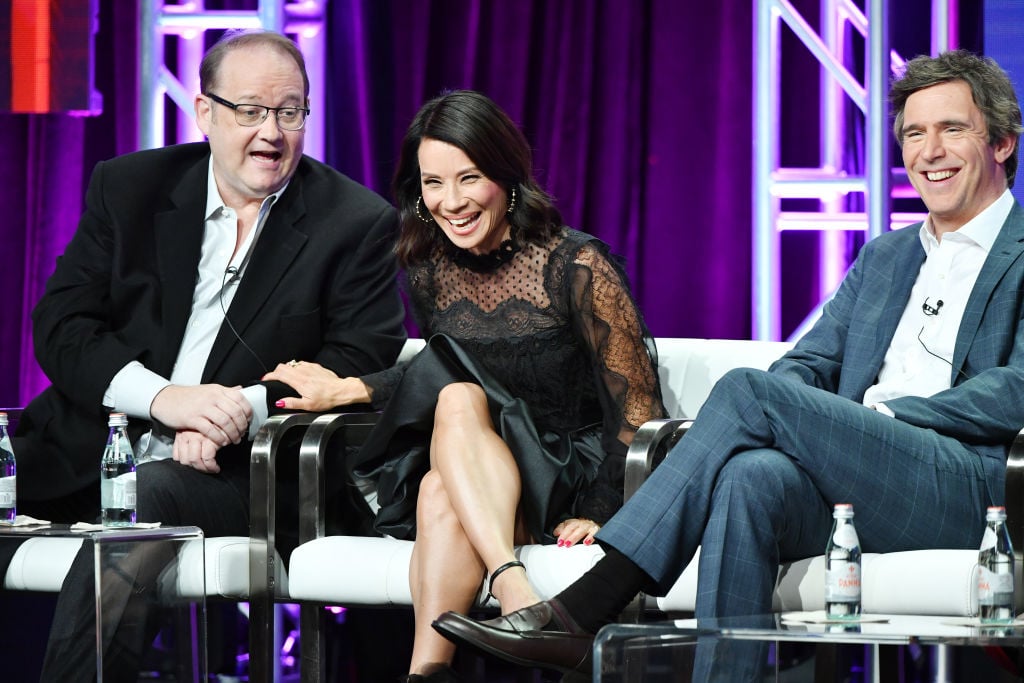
pixel 651 444
pixel 262 538
pixel 352 428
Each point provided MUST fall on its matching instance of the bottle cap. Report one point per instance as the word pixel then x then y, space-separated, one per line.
pixel 995 513
pixel 842 510
pixel 117 420
pixel 3 419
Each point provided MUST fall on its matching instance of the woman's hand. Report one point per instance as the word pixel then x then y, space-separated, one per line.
pixel 574 530
pixel 320 389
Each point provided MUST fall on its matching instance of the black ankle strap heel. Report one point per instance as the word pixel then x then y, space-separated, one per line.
pixel 443 675
pixel 496 573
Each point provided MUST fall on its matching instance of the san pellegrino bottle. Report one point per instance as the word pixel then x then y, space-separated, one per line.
pixel 8 476
pixel 995 569
pixel 842 565
pixel 117 475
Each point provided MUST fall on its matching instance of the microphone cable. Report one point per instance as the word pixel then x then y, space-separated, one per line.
pixel 224 282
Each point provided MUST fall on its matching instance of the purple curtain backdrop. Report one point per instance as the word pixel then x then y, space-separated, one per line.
pixel 48 183
pixel 639 114
pixel 42 180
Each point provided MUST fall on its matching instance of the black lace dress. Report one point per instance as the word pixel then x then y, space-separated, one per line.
pixel 553 336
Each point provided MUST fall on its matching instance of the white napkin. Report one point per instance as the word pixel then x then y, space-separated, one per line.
pixel 85 526
pixel 976 621
pixel 820 617
pixel 25 520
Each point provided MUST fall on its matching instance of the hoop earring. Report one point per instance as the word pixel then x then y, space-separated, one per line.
pixel 512 202
pixel 419 215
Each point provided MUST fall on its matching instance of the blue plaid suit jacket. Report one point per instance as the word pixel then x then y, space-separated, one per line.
pixel 984 408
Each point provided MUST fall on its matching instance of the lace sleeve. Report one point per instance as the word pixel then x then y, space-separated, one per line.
pixel 416 286
pixel 382 384
pixel 624 362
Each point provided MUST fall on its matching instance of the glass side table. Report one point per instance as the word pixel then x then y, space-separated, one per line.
pixel 138 568
pixel 749 648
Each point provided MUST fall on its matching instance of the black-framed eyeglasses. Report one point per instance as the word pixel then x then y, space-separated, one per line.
pixel 249 115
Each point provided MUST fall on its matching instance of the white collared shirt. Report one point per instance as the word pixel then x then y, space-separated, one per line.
pixel 134 387
pixel 919 359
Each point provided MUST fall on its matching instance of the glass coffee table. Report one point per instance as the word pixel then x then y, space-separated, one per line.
pixel 161 568
pixel 750 648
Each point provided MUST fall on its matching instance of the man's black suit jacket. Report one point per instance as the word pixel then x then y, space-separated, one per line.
pixel 320 285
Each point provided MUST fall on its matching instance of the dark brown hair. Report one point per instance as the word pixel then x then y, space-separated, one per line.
pixel 990 87
pixel 476 125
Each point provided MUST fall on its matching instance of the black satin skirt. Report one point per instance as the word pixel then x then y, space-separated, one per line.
pixel 554 467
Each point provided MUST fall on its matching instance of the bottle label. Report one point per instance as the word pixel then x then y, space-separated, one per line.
pixel 119 492
pixel 993 587
pixel 845 536
pixel 988 540
pixel 129 482
pixel 8 490
pixel 842 582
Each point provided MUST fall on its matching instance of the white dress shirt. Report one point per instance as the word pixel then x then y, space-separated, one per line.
pixel 134 387
pixel 919 359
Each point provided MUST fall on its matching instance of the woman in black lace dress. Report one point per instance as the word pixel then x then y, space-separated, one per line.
pixel 512 425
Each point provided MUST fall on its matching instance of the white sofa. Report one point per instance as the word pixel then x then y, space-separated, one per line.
pixel 688 368
pixel 349 570
pixel 40 564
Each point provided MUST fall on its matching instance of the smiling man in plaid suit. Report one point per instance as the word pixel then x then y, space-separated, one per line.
pixel 903 400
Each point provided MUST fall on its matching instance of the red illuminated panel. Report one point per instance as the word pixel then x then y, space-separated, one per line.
pixel 47 63
pixel 30 56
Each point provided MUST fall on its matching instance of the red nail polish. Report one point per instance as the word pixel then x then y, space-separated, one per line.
pixel 588 541
pixel 568 544
pixel 280 404
pixel 560 543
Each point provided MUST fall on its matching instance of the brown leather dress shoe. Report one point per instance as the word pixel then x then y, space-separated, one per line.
pixel 541 635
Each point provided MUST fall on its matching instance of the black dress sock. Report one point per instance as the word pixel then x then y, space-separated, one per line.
pixel 599 596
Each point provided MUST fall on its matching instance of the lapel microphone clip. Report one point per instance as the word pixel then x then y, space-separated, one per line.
pixel 931 310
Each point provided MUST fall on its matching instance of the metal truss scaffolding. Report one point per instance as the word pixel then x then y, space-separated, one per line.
pixel 829 183
pixel 187 23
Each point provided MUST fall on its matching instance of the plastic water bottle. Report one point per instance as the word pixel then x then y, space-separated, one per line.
pixel 995 569
pixel 8 476
pixel 842 565
pixel 117 475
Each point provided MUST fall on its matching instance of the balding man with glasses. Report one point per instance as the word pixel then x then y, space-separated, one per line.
pixel 195 270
